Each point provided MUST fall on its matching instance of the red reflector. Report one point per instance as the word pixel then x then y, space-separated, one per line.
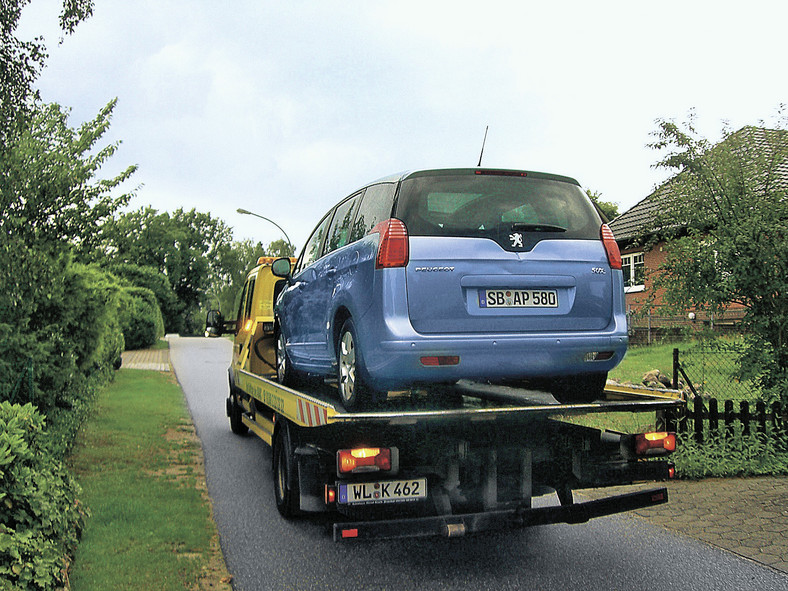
pixel 658 497
pixel 672 472
pixel 611 247
pixel 393 246
pixel 350 533
pixel 655 443
pixel 434 361
pixel 364 459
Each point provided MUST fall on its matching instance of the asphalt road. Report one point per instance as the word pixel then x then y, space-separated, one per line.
pixel 264 551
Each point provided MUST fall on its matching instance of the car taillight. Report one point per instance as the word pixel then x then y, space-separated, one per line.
pixel 611 247
pixel 393 246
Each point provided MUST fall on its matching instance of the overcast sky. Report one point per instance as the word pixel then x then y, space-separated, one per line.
pixel 285 107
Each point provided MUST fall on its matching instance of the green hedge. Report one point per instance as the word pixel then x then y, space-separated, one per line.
pixel 140 317
pixel 41 517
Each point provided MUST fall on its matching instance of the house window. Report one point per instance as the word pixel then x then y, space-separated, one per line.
pixel 634 272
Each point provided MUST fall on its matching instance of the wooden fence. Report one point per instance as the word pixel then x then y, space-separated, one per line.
pixel 704 418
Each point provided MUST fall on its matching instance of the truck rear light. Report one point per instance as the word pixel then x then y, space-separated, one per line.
pixel 393 246
pixel 330 494
pixel 611 247
pixel 364 459
pixel 655 444
pixel 436 360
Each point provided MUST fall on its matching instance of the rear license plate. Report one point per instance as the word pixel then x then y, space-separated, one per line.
pixel 518 298
pixel 391 491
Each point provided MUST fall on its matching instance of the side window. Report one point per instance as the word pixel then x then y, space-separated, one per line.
pixel 375 207
pixel 249 297
pixel 339 234
pixel 244 304
pixel 313 246
pixel 240 315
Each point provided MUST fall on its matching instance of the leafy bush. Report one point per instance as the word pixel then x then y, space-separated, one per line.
pixel 738 455
pixel 153 279
pixel 140 317
pixel 71 333
pixel 40 515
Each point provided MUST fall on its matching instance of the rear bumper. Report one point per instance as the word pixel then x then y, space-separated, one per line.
pixel 459 525
pixel 398 362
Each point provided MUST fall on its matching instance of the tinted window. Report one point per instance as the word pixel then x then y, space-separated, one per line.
pixel 339 234
pixel 313 247
pixel 375 207
pixel 493 206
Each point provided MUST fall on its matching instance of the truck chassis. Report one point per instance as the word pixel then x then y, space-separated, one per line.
pixel 449 461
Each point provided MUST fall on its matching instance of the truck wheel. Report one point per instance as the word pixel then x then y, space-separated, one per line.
pixel 235 412
pixel 354 392
pixel 285 374
pixel 285 474
pixel 579 389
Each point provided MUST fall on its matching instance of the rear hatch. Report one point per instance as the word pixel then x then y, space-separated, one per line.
pixel 503 252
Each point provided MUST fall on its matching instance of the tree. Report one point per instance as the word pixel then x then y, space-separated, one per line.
pixel 726 213
pixel 233 263
pixel 184 246
pixel 608 208
pixel 280 248
pixel 21 61
pixel 52 205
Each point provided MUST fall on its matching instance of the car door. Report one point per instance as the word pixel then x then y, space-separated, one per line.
pixel 300 305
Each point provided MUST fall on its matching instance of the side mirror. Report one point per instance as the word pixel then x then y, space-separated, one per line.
pixel 281 268
pixel 214 324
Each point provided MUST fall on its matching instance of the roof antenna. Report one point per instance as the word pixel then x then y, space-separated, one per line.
pixel 484 141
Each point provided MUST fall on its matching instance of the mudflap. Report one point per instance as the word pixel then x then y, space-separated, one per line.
pixel 460 525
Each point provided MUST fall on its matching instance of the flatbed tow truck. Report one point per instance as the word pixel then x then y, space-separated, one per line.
pixel 444 461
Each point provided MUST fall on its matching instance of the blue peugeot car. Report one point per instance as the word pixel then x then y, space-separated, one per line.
pixel 439 275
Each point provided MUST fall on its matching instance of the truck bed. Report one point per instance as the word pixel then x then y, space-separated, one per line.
pixel 318 406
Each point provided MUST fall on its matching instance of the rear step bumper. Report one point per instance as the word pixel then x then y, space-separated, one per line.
pixel 459 525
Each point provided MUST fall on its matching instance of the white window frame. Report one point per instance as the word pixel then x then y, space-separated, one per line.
pixel 630 260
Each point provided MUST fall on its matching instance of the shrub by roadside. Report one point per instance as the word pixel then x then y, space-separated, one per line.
pixel 41 517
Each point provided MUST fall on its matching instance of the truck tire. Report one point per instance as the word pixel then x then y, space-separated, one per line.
pixel 579 389
pixel 354 391
pixel 285 474
pixel 235 412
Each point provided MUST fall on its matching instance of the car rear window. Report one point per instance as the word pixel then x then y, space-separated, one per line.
pixel 493 205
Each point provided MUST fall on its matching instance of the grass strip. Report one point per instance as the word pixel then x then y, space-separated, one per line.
pixel 140 467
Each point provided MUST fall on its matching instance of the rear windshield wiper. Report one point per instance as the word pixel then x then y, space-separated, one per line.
pixel 526 227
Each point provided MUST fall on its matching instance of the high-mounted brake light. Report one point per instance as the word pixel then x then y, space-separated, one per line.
pixel 364 459
pixel 611 247
pixel 501 172
pixel 393 246
pixel 655 444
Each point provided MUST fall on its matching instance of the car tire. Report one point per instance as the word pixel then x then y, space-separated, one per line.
pixel 285 374
pixel 355 393
pixel 579 389
pixel 285 474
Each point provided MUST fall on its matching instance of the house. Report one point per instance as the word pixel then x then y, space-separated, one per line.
pixel 643 250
